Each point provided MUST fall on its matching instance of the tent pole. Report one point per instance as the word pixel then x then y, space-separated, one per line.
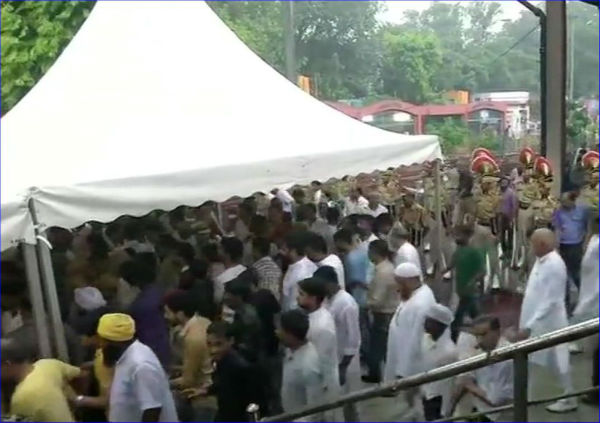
pixel 221 218
pixel 438 217
pixel 37 300
pixel 47 273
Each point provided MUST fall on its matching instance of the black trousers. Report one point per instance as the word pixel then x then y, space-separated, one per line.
pixel 572 255
pixel 467 306
pixel 378 343
pixel 506 234
pixel 432 408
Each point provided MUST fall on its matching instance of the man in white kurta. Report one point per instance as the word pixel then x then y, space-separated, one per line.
pixel 438 350
pixel 404 349
pixel 344 309
pixel 587 305
pixel 543 310
pixel 302 381
pixel 322 334
pixel 316 250
pixel 355 203
pixel 406 328
pixel 300 268
pixel 405 252
pixel 490 386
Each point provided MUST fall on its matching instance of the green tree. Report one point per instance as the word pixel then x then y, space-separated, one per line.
pixel 335 41
pixel 452 133
pixel 258 24
pixel 342 46
pixel 582 23
pixel 34 33
pixel 410 64
pixel 337 45
pixel 579 125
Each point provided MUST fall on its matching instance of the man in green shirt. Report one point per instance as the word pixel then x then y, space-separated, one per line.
pixel 468 264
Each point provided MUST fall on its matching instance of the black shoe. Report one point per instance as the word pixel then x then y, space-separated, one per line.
pixel 371 379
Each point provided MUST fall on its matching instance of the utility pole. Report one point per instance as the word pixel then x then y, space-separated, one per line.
pixel 543 84
pixel 556 71
pixel 287 9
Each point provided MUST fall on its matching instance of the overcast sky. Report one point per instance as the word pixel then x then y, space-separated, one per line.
pixel 395 9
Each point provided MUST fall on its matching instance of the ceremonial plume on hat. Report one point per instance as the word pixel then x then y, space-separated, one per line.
pixel 484 166
pixel 478 152
pixel 543 167
pixel 591 161
pixel 527 156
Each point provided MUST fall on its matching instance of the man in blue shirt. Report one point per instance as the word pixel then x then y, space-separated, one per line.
pixel 355 256
pixel 570 223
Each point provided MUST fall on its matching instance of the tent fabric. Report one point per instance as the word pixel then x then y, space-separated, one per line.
pixel 157 104
pixel 17 225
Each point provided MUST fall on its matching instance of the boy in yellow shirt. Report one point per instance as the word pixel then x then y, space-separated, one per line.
pixel 41 388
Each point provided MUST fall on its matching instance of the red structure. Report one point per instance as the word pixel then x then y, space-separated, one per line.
pixel 412 118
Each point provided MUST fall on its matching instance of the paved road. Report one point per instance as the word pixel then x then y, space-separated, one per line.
pixel 395 409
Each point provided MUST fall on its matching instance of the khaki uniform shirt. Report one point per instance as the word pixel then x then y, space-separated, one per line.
pixel 589 197
pixel 413 217
pixel 543 209
pixel 528 191
pixel 487 206
pixel 429 195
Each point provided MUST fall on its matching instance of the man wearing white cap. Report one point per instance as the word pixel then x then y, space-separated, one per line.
pixel 89 298
pixel 438 351
pixel 404 348
pixel 406 328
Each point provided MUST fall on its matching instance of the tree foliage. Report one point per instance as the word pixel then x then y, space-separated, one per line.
pixel 451 132
pixel 33 35
pixel 419 58
pixel 581 129
pixel 342 46
pixel 335 41
pixel 455 137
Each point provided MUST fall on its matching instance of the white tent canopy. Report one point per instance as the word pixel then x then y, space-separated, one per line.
pixel 158 104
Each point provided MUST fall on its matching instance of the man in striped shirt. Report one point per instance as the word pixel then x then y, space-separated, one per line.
pixel 268 272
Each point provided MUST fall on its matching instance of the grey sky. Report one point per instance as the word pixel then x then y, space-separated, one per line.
pixel 511 9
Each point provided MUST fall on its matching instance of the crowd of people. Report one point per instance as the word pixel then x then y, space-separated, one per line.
pixel 308 295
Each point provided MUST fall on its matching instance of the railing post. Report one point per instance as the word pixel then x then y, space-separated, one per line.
pixel 253 411
pixel 521 383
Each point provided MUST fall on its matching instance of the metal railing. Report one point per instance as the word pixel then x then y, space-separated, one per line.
pixel 518 352
pixel 476 415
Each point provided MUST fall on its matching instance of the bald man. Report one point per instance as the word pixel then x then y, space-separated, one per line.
pixel 543 310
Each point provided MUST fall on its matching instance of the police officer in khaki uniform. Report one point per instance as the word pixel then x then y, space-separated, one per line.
pixel 544 207
pixel 590 193
pixel 525 226
pixel 445 249
pixel 466 205
pixel 528 188
pixel 486 228
pixel 452 183
pixel 414 218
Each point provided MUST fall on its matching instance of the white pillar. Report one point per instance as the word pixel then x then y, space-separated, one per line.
pixel 555 97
